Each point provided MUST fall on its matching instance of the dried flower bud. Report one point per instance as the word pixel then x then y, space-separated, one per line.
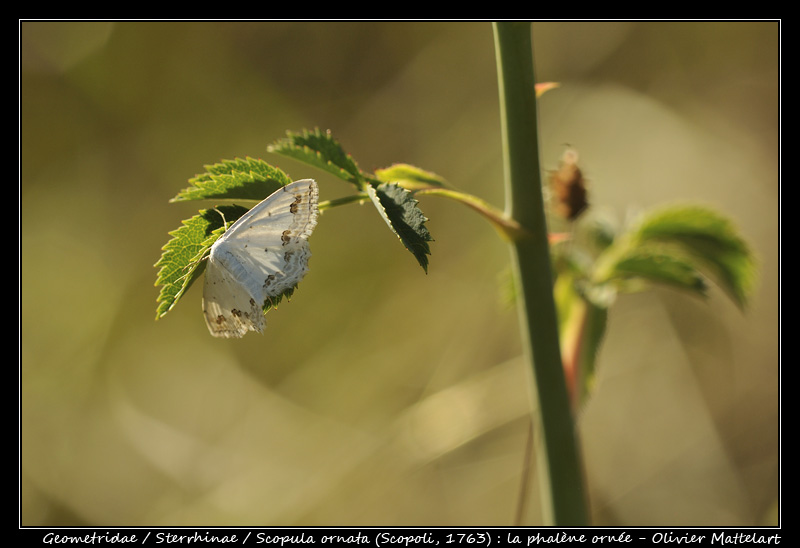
pixel 568 186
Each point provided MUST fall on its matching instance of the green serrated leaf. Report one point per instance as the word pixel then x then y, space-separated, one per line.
pixel 675 245
pixel 398 207
pixel 710 239
pixel 663 268
pixel 321 150
pixel 410 177
pixel 240 179
pixel 181 262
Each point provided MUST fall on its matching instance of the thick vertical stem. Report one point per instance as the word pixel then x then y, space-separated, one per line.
pixel 560 471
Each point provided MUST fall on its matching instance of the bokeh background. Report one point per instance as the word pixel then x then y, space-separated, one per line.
pixel 381 395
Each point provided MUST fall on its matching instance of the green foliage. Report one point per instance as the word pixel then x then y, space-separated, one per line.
pixel 249 179
pixel 181 262
pixel 709 241
pixel 660 267
pixel 411 177
pixel 321 150
pixel 682 246
pixel 389 190
pixel 399 209
pixel 678 246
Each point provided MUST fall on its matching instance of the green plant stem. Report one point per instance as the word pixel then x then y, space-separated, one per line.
pixel 560 471
pixel 506 226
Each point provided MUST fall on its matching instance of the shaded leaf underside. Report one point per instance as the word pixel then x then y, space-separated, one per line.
pixel 399 209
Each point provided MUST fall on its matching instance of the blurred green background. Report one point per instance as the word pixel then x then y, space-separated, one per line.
pixel 381 395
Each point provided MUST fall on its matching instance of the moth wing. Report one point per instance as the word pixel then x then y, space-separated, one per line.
pixel 262 255
pixel 230 310
pixel 291 212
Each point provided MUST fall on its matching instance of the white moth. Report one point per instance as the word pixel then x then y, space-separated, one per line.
pixel 264 253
